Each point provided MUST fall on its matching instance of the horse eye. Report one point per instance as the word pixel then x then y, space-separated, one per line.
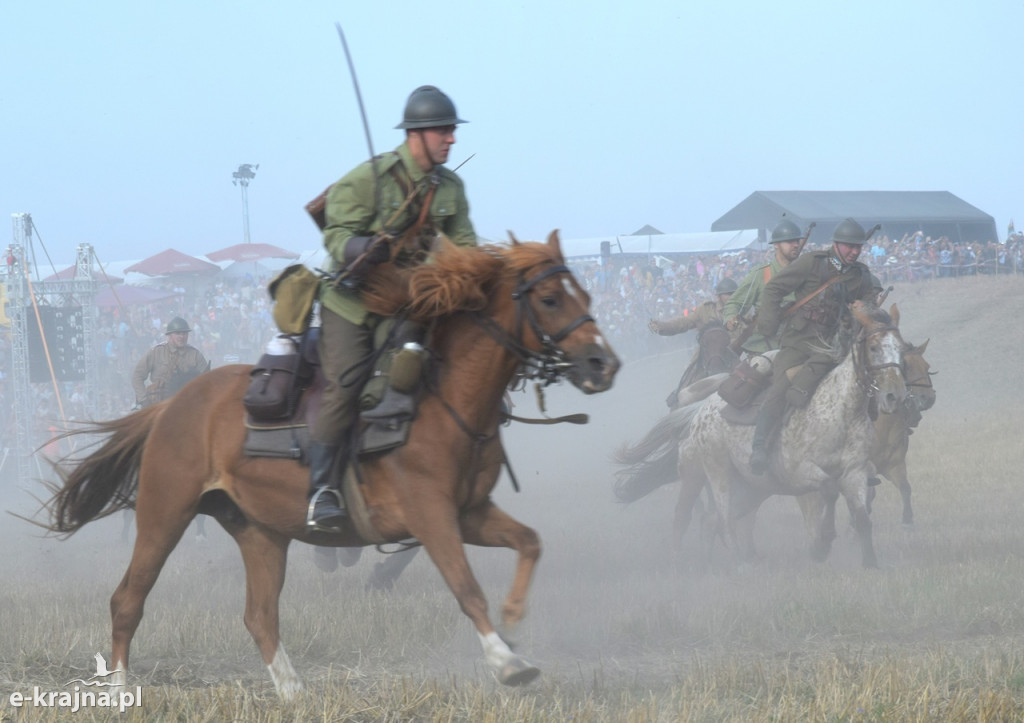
pixel 549 301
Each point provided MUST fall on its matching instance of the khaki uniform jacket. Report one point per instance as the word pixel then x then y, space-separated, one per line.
pixel 818 318
pixel 697 318
pixel 167 368
pixel 351 211
pixel 748 296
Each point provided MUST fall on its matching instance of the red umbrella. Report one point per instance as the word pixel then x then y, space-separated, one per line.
pixel 173 262
pixel 251 252
pixel 68 274
pixel 131 296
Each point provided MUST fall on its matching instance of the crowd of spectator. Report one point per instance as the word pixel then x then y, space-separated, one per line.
pixel 231 317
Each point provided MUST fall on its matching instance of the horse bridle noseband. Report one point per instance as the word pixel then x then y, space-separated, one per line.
pixel 549 364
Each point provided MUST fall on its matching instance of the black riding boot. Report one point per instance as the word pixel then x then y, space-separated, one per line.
pixel 326 512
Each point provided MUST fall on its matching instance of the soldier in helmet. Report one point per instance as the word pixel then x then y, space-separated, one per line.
pixel 701 317
pixel 786 240
pixel 365 211
pixel 168 365
pixel 822 283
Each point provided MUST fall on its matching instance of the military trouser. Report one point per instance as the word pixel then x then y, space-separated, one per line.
pixel 344 351
pixel 783 391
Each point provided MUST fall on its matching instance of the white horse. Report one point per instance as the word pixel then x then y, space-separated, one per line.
pixel 824 447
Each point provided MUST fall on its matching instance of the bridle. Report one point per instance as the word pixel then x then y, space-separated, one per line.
pixel 865 371
pixel 549 363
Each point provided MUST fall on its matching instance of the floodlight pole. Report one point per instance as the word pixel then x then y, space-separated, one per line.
pixel 245 173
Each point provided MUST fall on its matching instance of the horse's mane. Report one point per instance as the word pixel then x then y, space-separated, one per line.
pixel 457 278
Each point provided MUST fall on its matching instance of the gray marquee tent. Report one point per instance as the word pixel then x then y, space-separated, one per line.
pixel 935 213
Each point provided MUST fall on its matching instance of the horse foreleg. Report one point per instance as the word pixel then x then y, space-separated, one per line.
pixel 487 526
pixel 490 526
pixel 265 554
pixel 898 474
pixel 860 519
pixel 818 510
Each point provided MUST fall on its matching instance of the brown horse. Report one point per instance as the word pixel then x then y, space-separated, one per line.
pixel 495 310
pixel 892 431
pixel 714 356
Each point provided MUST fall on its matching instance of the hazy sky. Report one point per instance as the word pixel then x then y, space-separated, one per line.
pixel 122 122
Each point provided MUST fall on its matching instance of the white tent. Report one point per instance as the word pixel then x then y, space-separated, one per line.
pixel 707 242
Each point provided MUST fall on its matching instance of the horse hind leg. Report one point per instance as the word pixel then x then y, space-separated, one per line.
pixel 156 537
pixel 265 555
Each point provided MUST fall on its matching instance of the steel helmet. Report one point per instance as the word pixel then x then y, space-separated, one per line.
pixel 850 232
pixel 786 231
pixel 726 286
pixel 177 324
pixel 428 107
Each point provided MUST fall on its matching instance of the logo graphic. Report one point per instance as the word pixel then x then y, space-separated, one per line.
pixel 101 672
pixel 77 699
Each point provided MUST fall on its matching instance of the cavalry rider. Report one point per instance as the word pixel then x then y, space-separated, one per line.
pixel 169 365
pixel 700 317
pixel 374 204
pixel 823 283
pixel 787 241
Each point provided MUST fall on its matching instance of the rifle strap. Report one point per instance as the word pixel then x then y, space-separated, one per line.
pixel 792 310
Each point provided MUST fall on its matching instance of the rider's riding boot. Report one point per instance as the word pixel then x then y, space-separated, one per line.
pixel 767 420
pixel 326 512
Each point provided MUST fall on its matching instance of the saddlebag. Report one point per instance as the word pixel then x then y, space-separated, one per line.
pixel 740 388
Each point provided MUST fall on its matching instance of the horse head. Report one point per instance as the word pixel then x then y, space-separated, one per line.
pixel 880 351
pixel 553 311
pixel 917 372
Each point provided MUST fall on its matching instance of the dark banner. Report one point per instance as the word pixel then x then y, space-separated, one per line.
pixel 65 340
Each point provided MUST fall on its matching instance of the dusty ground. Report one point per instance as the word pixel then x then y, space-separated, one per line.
pixel 611 605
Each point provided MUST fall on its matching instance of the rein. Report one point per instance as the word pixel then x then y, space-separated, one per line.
pixel 548 364
pixel 865 371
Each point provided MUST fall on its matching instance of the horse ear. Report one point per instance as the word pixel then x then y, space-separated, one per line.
pixel 555 242
pixel 920 349
pixel 894 312
pixel 512 238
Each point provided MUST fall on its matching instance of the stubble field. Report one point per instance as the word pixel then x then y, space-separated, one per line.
pixel 623 629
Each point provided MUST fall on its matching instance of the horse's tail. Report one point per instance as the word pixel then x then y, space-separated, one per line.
pixel 106 481
pixel 652 461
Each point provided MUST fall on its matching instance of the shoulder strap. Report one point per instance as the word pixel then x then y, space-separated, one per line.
pixel 792 310
pixel 767 273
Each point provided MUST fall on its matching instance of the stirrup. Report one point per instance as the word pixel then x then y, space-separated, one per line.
pixel 314 525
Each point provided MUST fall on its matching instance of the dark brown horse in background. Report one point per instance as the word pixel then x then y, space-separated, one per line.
pixel 495 310
pixel 714 356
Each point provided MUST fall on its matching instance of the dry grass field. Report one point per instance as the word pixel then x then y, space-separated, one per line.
pixel 623 629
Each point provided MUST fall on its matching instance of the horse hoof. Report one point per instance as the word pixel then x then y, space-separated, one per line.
pixel 518 672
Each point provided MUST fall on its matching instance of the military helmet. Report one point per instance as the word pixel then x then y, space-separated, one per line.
pixel 177 324
pixel 428 107
pixel 726 286
pixel 786 231
pixel 850 232
pixel 876 284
